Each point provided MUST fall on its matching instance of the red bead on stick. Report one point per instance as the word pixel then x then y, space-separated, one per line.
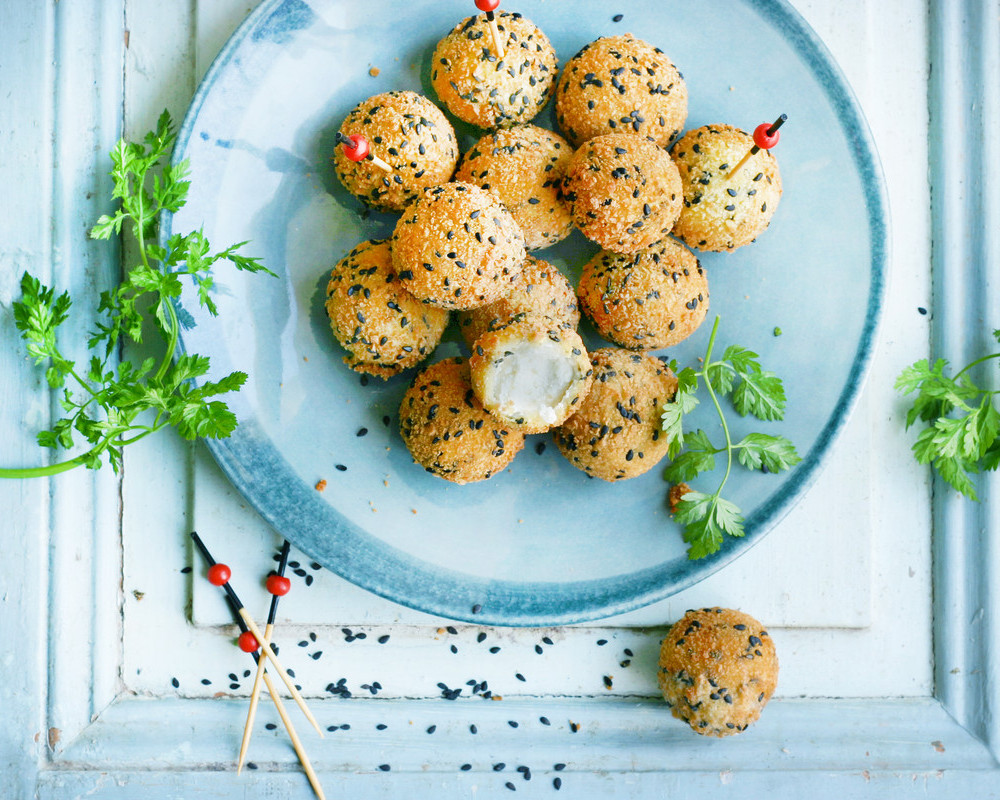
pixel 247 642
pixel 763 139
pixel 278 585
pixel 360 148
pixel 487 5
pixel 219 574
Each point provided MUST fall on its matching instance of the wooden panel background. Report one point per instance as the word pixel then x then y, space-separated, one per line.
pixel 97 615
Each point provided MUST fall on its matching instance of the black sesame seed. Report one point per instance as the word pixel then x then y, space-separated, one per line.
pixel 175 683
pixel 186 570
pixel 432 728
pixel 512 723
pixel 465 767
pixel 499 767
pixel 557 783
pixel 558 767
pixel 384 767
pixel 381 726
pixel 617 17
pixel 361 432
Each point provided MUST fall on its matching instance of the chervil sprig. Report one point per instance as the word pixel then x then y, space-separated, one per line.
pixel 962 436
pixel 708 518
pixel 110 405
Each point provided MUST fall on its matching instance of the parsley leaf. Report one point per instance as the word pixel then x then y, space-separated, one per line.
pixel 962 433
pixel 709 518
pixel 114 404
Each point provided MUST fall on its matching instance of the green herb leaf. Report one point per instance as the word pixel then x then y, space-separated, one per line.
pixel 111 407
pixel 961 436
pixel 764 451
pixel 708 518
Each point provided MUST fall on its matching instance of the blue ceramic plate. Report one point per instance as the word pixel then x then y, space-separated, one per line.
pixel 539 544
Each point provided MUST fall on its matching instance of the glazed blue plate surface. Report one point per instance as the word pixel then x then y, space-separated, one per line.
pixel 539 544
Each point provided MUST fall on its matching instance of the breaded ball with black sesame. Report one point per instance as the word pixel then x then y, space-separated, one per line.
pixel 654 299
pixel 538 290
pixel 456 246
pixel 620 83
pixel 532 373
pixel 447 430
pixel 623 191
pixel 616 434
pixel 412 135
pixel 383 328
pixel 718 668
pixel 723 211
pixel 491 93
pixel 524 166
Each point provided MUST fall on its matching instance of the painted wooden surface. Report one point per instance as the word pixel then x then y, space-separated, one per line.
pixel 96 713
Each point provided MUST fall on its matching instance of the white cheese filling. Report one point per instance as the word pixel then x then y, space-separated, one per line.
pixel 532 381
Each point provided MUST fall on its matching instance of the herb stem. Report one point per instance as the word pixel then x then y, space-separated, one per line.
pixel 168 357
pixel 976 363
pixel 718 410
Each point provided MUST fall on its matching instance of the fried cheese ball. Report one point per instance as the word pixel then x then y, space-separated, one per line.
pixel 723 211
pixel 486 92
pixel 412 135
pixel 457 247
pixel 718 668
pixel 383 328
pixel 654 299
pixel 524 166
pixel 447 430
pixel 538 290
pixel 623 191
pixel 531 373
pixel 621 83
pixel 615 434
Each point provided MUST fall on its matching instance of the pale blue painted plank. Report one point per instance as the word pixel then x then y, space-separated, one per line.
pixel 25 173
pixel 965 177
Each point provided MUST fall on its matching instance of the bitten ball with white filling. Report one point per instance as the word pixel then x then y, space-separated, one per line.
pixel 621 83
pixel 717 670
pixel 447 430
pixel 538 290
pixel 383 328
pixel 615 433
pixel 524 166
pixel 623 192
pixel 456 246
pixel 532 373
pixel 408 132
pixel 488 92
pixel 654 299
pixel 723 211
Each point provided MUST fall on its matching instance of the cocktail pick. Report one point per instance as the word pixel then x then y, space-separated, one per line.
pixel 357 148
pixel 489 6
pixel 248 644
pixel 765 137
pixel 218 575
pixel 278 585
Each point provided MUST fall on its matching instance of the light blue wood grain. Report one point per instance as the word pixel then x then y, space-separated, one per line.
pixel 25 243
pixel 160 749
pixel 965 178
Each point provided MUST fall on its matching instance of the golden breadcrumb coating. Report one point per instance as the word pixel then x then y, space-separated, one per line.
pixel 539 289
pixel 654 299
pixel 456 246
pixel 623 191
pixel 488 93
pixel 724 211
pixel 616 433
pixel 382 326
pixel 717 670
pixel 408 132
pixel 621 83
pixel 447 430
pixel 524 166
